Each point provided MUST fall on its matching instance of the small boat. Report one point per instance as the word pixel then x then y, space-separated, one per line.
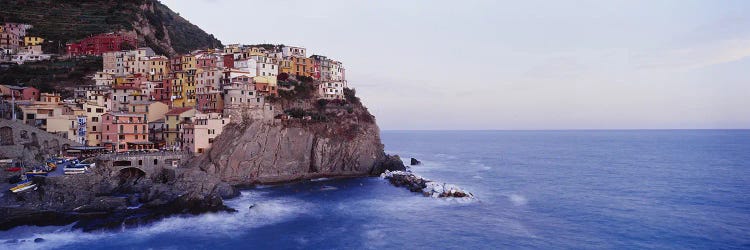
pixel 23 186
pixel 51 165
pixel 76 169
pixel 36 172
pixel 13 169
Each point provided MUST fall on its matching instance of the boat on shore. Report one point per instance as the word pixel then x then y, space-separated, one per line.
pixel 23 186
pixel 79 168
pixel 36 172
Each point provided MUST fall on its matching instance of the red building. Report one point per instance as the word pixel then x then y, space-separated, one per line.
pixel 98 44
pixel 229 61
pixel 163 92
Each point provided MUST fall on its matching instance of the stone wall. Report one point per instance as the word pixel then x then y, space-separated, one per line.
pixel 28 143
pixel 151 164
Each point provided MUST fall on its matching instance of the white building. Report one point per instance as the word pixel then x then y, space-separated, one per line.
pixel 248 65
pixel 288 51
pixel 332 90
pixel 104 79
pixel 265 66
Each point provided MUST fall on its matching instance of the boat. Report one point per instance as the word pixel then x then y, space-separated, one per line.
pixel 51 165
pixel 76 169
pixel 36 172
pixel 23 186
pixel 13 169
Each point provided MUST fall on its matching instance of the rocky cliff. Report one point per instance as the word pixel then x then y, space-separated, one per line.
pixel 267 151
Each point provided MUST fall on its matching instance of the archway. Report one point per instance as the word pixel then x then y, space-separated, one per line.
pixel 130 176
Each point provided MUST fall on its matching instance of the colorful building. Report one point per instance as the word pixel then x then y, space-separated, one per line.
pixel 125 131
pixel 19 93
pixel 32 40
pixel 101 43
pixel 172 122
pixel 198 134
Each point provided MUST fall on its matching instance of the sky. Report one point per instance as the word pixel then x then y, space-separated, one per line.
pixel 468 65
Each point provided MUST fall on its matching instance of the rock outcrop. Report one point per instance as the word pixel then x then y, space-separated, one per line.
pixel 97 200
pixel 271 151
pixel 429 188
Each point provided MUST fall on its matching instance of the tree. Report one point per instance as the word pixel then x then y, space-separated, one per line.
pixel 124 45
pixel 282 77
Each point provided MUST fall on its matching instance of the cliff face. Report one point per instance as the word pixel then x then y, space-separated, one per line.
pixel 263 151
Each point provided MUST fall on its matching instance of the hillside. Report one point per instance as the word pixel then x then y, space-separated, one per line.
pixel 62 21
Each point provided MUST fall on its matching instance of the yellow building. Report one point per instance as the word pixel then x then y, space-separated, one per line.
pixel 32 40
pixel 287 66
pixel 157 68
pixel 172 123
pixel 188 62
pixel 183 89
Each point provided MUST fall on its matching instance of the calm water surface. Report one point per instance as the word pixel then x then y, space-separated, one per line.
pixel 536 189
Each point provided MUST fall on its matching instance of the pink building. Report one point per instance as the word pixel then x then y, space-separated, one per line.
pixel 20 93
pixel 125 131
pixel 198 135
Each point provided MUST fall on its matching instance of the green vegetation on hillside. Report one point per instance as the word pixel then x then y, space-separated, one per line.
pixel 51 76
pixel 63 21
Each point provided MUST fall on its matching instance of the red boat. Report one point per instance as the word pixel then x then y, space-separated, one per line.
pixel 13 169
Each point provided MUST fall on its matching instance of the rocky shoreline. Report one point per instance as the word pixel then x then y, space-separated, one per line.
pixel 93 202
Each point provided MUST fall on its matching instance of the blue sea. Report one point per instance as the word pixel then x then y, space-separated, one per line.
pixel 660 189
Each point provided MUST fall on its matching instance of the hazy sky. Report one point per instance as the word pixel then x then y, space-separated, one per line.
pixel 516 64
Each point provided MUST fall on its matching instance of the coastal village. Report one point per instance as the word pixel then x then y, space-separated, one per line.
pixel 142 102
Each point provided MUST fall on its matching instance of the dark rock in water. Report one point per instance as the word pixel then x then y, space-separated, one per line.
pixel 37 240
pixel 427 187
pixel 391 163
pixel 415 162
pixel 13 241
pixel 251 206
pixel 14 216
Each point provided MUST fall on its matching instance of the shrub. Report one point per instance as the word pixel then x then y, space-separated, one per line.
pixel 295 112
pixel 322 103
pixel 282 77
pixel 305 79
pixel 351 95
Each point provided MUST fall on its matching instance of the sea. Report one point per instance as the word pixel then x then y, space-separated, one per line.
pixel 578 189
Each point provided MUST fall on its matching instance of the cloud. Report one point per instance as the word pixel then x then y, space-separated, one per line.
pixel 721 52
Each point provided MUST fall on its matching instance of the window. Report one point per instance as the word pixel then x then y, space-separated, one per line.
pixel 100 110
pixel 121 137
pixel 88 109
pixel 93 128
pixel 95 119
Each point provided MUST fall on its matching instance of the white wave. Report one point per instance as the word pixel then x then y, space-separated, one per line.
pixel 518 200
pixel 264 211
pixel 328 188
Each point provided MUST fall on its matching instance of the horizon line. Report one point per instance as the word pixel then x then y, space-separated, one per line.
pixel 575 129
